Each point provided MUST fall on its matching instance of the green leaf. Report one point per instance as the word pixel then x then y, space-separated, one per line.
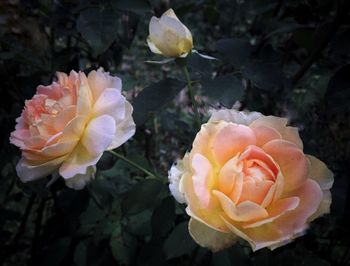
pixel 224 89
pixel 142 196
pixel 98 26
pixel 136 6
pixel 154 97
pixel 234 51
pixel 179 242
pixel 123 246
pixel 80 254
pixel 140 223
pixel 163 217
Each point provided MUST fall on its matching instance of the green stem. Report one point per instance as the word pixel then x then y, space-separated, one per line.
pixel 136 165
pixel 191 94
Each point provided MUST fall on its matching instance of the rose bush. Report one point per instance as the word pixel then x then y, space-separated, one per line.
pixel 247 176
pixel 69 124
pixel 168 36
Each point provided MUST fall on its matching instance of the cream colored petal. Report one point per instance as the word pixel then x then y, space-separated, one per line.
pixel 111 102
pixel 27 171
pixel 211 219
pixel 84 102
pixel 320 172
pixel 202 179
pixel 234 116
pixel 243 212
pixel 170 13
pixel 78 162
pixel 99 134
pixel 74 129
pixel 324 207
pixel 125 128
pixel 79 181
pixel 153 47
pixel 209 238
pixel 174 175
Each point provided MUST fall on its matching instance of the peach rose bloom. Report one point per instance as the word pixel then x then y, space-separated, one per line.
pixel 248 177
pixel 68 125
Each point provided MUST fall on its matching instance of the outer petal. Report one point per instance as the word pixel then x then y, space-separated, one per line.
pixel 98 134
pixel 324 207
pixel 79 181
pixel 280 124
pixel 320 173
pixel 78 162
pixel 125 128
pixel 230 141
pixel 153 47
pixel 210 238
pixel 202 179
pixel 175 174
pixel 234 116
pixel 265 134
pixel 30 172
pixel 110 102
pixel 84 103
pixel 291 160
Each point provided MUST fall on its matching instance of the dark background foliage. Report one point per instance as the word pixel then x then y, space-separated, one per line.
pixel 289 58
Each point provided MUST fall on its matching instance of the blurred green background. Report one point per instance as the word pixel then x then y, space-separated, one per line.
pixel 288 58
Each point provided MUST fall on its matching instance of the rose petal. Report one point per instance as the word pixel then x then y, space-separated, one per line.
pixel 99 134
pixel 320 172
pixel 276 210
pixel 255 191
pixel 211 219
pixel 265 134
pixel 27 171
pixel 202 179
pixel 234 116
pixel 110 102
pixel 324 207
pixel 243 212
pixel 79 181
pixel 227 177
pixel 209 238
pixel 78 162
pixel 84 103
pixel 230 141
pixel 125 128
pixel 291 161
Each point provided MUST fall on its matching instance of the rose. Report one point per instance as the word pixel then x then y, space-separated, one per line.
pixel 247 176
pixel 168 36
pixel 68 125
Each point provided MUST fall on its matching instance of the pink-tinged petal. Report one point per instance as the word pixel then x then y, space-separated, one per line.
pixel 255 191
pixel 78 162
pixel 234 116
pixel 280 124
pixel 84 103
pixel 125 129
pixel 100 80
pixel 258 154
pixel 207 237
pixel 265 134
pixel 53 91
pixel 28 171
pixel 98 134
pixel 79 181
pixel 35 143
pixel 277 209
pixel 243 212
pixel 291 160
pixel 320 172
pixel 275 191
pixel 258 238
pixel 63 118
pixel 18 136
pixel 310 195
pixel 110 102
pixel 74 129
pixel 227 176
pixel 230 141
pixel 202 179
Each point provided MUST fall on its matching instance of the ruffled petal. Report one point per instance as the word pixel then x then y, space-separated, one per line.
pixel 320 172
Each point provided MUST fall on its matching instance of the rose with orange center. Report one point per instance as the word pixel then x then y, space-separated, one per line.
pixel 68 125
pixel 248 177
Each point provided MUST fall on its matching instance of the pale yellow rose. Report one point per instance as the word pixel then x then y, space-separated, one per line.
pixel 68 125
pixel 248 177
pixel 168 36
